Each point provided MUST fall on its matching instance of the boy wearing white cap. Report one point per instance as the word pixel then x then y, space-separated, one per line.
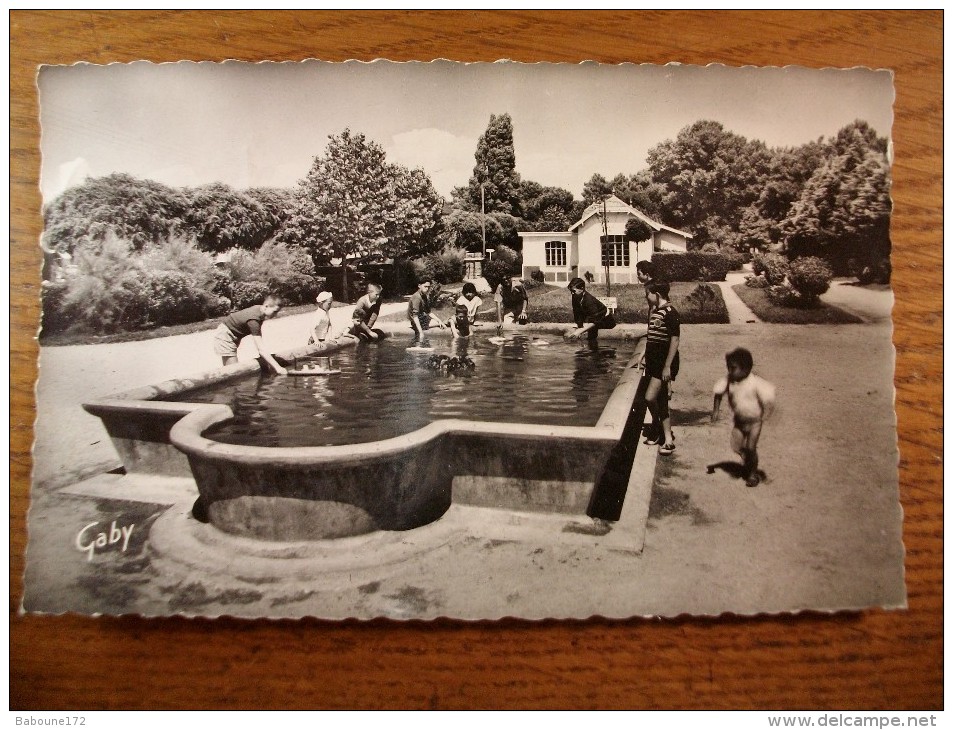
pixel 322 322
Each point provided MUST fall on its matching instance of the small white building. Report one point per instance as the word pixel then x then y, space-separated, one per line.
pixel 585 247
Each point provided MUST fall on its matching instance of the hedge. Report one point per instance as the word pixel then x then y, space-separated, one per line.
pixel 691 266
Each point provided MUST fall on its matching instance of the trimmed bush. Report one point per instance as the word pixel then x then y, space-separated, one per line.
pixel 246 293
pixel 54 316
pixel 447 267
pixel 756 282
pixel 773 266
pixel 508 256
pixel 691 266
pixel 870 272
pixel 736 260
pixel 810 277
pixel 538 276
pixel 494 271
pixel 175 299
pixel 784 296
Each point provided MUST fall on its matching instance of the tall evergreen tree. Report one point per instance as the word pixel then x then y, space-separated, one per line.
pixel 496 169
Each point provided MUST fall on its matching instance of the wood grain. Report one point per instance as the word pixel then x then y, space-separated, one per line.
pixel 871 660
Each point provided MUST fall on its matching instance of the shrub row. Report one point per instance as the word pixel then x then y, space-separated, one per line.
pixel 114 288
pixel 446 267
pixel 691 266
pixel 796 283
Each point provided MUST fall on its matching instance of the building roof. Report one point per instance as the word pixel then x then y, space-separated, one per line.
pixel 615 204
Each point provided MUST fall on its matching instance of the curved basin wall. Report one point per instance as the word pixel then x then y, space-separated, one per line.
pixel 395 484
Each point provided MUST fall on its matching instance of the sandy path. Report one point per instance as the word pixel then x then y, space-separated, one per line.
pixel 872 304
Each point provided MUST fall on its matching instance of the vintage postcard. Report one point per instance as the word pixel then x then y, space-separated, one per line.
pixel 421 340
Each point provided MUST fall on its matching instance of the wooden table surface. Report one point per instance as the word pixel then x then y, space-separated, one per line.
pixel 869 660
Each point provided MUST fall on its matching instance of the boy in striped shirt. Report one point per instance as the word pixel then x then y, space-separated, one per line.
pixel 661 360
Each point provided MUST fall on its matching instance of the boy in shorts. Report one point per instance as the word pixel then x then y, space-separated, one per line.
pixel 511 299
pixel 752 400
pixel 247 323
pixel 418 310
pixel 661 361
pixel 365 314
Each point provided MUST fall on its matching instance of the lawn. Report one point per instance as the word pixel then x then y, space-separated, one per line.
pixel 549 303
pixel 767 311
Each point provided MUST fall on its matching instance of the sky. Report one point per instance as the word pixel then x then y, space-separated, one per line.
pixel 251 125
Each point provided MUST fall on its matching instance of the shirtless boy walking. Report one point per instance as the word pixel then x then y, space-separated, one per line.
pixel 752 400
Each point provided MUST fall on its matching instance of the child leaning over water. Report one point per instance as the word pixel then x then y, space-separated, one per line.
pixel 752 400
pixel 465 311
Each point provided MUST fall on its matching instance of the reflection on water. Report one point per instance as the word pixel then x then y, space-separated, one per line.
pixel 384 390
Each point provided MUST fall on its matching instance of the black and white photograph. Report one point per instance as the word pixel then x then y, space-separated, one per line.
pixel 467 340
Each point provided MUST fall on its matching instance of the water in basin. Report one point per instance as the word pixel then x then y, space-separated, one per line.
pixel 384 390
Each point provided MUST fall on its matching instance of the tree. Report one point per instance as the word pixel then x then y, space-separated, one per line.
pixel 535 198
pixel 710 176
pixel 277 204
pixel 643 193
pixel 221 218
pixel 463 229
pixel 553 218
pixel 755 230
pixel 843 211
pixel 596 190
pixel 414 218
pixel 137 211
pixel 789 170
pixel 496 169
pixel 637 229
pixel 509 226
pixel 354 204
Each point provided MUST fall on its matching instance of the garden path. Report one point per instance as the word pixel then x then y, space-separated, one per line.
pixel 738 311
pixel 873 303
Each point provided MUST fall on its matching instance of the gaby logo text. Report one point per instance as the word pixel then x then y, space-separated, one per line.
pixel 89 541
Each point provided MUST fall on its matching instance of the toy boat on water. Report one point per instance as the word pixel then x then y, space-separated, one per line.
pixel 317 366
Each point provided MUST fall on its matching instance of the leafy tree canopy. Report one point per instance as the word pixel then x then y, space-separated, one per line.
pixel 277 204
pixel 637 229
pixel 221 218
pixel 535 199
pixel 844 209
pixel 553 218
pixel 355 204
pixel 137 211
pixel 707 173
